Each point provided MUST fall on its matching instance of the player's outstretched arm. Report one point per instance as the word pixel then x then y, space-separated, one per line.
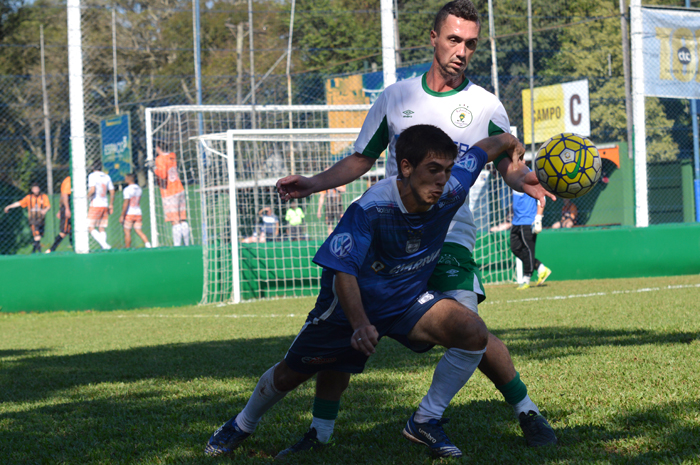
pixel 365 338
pixel 343 172
pixel 494 146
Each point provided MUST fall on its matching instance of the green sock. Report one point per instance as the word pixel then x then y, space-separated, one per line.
pixel 514 391
pixel 326 409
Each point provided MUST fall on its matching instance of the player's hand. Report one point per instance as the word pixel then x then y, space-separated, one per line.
pixel 533 188
pixel 7 209
pixel 67 213
pixel 150 164
pixel 111 209
pixel 58 215
pixel 365 339
pixel 121 220
pixel 295 187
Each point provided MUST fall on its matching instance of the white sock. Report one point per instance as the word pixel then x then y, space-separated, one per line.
pixel 177 235
pixel 148 245
pixel 100 237
pixel 324 428
pixel 541 268
pixel 526 279
pixel 452 372
pixel 263 398
pixel 185 232
pixel 105 245
pixel 525 406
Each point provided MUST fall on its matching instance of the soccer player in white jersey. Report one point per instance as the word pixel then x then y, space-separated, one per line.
pixel 376 266
pixel 467 113
pixel 132 216
pixel 101 195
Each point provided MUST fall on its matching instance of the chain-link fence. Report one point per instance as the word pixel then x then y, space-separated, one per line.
pixel 152 58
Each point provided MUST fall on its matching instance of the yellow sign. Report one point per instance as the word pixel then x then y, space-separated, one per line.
pixel 345 91
pixel 558 108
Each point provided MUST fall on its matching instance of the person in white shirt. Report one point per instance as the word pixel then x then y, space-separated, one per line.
pixel 101 195
pixel 132 216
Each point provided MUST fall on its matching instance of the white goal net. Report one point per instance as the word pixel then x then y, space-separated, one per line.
pixel 254 247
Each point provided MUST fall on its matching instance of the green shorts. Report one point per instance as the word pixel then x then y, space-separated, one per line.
pixel 457 270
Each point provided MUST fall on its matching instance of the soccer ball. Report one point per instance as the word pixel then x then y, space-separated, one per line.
pixel 568 165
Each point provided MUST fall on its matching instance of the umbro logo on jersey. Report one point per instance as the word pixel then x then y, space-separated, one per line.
pixel 408 114
pixel 452 273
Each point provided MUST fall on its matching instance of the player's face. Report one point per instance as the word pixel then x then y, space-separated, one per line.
pixel 454 45
pixel 424 184
pixel 35 190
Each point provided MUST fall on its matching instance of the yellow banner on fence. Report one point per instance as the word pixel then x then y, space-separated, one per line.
pixel 558 108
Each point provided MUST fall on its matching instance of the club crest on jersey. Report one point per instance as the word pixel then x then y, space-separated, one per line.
pixel 462 117
pixel 413 242
pixel 341 245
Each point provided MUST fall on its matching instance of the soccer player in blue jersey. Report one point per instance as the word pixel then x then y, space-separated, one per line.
pixel 468 113
pixel 376 266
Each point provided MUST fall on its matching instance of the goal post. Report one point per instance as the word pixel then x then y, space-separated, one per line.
pixel 246 232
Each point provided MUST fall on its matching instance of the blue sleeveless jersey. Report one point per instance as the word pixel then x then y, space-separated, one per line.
pixel 391 252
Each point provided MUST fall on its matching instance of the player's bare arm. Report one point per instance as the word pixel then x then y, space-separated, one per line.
pixel 125 207
pixel 66 205
pixel 343 172
pixel 365 338
pixel 111 201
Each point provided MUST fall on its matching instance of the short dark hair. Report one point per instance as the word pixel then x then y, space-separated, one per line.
pixel 464 9
pixel 417 142
pixel 130 176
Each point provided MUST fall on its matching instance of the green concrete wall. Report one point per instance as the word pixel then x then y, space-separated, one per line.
pixel 109 280
pixel 663 250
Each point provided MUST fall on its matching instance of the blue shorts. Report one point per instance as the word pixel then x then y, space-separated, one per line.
pixel 322 346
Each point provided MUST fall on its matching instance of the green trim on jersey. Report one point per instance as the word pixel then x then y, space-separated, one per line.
pixel 495 130
pixel 379 141
pixel 429 91
pixel 456 270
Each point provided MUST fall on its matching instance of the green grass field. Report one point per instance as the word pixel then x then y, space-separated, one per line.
pixel 613 364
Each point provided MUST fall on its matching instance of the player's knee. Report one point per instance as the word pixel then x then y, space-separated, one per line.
pixel 287 379
pixel 470 332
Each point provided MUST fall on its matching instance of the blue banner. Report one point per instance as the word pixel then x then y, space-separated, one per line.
pixel 115 135
pixel 670 50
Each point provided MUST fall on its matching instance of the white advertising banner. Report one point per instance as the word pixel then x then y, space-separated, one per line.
pixel 670 50
pixel 558 108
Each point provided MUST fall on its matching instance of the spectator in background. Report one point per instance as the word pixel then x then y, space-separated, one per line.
pixel 173 195
pixel 295 217
pixel 131 216
pixel 270 228
pixel 527 224
pixel 333 200
pixel 63 214
pixel 37 204
pixel 101 206
pixel 569 212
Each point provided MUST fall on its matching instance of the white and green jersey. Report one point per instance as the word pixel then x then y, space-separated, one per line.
pixel 467 114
